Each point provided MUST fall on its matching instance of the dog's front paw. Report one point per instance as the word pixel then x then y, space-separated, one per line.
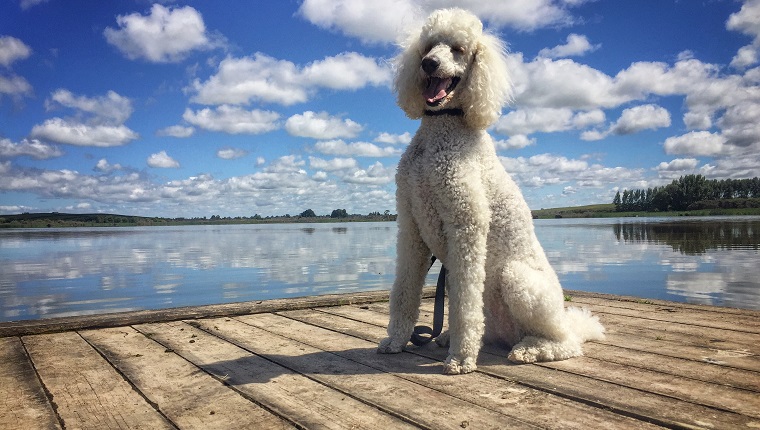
pixel 453 366
pixel 390 346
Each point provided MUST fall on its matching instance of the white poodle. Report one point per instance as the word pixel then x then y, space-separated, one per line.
pixel 456 201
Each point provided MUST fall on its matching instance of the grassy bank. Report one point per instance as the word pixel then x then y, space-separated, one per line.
pixel 608 211
pixel 59 220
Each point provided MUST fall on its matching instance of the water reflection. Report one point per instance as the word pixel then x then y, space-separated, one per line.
pixel 703 260
pixel 693 237
pixel 45 273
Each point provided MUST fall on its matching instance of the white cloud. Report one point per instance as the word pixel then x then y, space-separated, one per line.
pixel 12 50
pixel 741 123
pixel 577 45
pixel 14 86
pixel 678 165
pixel 745 57
pixel 346 71
pixel 321 126
pixel 563 83
pixel 517 141
pixel 394 139
pixel 639 118
pixel 73 133
pixel 385 22
pixel 357 149
pixel 165 35
pixel 231 153
pixel 30 148
pixel 370 21
pixel 26 4
pixel 696 143
pixel 747 21
pixel 98 121
pixel 176 131
pixel 633 120
pixel 376 174
pixel 548 169
pixel 266 79
pixel 333 164
pixel 162 160
pixel 109 108
pixel 104 166
pixel 233 120
pixel 546 120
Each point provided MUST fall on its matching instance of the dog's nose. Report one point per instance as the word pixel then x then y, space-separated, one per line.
pixel 430 65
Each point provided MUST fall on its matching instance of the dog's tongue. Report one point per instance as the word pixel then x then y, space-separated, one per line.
pixel 436 89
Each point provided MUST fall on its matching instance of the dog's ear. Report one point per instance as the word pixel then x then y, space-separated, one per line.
pixel 408 82
pixel 489 85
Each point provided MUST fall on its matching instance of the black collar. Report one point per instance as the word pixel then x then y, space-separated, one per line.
pixel 452 112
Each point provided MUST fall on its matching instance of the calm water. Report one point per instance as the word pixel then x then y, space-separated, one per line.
pixel 62 272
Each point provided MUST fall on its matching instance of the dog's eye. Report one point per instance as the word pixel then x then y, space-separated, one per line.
pixel 458 49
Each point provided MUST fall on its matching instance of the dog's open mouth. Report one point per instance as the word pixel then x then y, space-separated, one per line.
pixel 438 88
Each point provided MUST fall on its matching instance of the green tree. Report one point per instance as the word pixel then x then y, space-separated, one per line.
pixel 308 213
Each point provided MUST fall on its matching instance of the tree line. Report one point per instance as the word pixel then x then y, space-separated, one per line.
pixel 691 192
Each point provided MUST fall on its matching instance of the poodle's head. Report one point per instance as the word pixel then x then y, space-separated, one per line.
pixel 453 64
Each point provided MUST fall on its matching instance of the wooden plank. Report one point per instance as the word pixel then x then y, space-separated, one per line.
pixel 656 407
pixel 413 403
pixel 676 314
pixel 182 392
pixel 119 319
pixel 324 331
pixel 670 345
pixel 85 390
pixel 717 396
pixel 726 340
pixel 622 332
pixel 23 403
pixel 622 300
pixel 303 401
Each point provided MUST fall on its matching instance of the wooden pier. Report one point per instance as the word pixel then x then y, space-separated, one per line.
pixel 311 363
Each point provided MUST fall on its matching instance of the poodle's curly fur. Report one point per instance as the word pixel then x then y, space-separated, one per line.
pixel 456 201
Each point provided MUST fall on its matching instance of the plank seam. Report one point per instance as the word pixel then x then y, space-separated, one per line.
pixel 601 311
pixel 134 387
pixel 403 418
pixel 669 396
pixel 48 394
pixel 241 393
pixel 728 367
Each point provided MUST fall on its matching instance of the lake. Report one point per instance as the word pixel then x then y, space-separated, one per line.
pixel 62 272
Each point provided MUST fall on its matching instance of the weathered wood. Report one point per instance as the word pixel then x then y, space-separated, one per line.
pixel 674 313
pixel 303 401
pixel 328 332
pixel 413 403
pixel 23 403
pixel 86 391
pixel 187 396
pixel 623 301
pixel 311 363
pixel 118 319
pixel 647 404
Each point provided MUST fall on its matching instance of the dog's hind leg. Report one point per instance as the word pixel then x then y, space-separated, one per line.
pixel 534 296
pixel 412 263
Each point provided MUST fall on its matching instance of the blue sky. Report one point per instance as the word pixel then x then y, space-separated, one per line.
pixel 239 108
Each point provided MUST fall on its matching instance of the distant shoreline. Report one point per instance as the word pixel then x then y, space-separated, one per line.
pixel 608 211
pixel 60 219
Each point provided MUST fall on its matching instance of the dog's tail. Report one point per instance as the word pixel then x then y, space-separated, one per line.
pixel 584 325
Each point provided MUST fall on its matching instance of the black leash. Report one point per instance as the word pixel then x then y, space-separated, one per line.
pixel 418 337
